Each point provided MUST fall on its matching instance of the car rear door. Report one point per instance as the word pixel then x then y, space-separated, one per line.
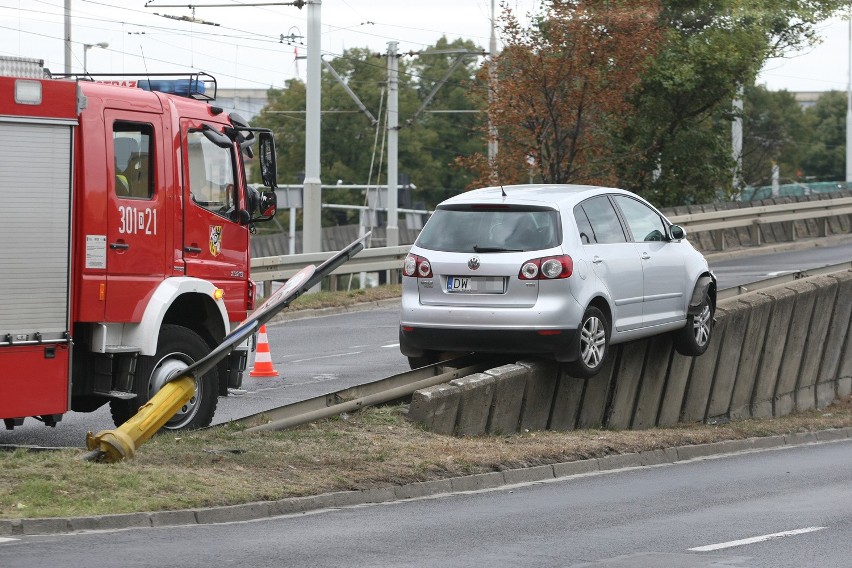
pixel 614 260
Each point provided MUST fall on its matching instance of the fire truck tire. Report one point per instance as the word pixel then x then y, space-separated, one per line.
pixel 177 348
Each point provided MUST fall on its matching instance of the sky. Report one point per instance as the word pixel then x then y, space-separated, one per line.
pixel 246 48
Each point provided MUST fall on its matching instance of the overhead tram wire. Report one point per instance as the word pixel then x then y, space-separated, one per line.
pixel 252 36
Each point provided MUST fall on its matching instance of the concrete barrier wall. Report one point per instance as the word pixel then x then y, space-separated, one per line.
pixel 773 352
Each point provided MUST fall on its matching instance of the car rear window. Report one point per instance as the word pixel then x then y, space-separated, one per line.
pixel 491 229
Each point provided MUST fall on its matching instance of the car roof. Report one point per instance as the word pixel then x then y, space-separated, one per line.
pixel 562 195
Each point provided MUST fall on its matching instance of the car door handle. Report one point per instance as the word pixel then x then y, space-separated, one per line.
pixel 645 256
pixel 119 246
pixel 597 260
pixel 193 250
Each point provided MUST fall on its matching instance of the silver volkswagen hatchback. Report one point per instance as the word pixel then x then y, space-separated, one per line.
pixel 560 271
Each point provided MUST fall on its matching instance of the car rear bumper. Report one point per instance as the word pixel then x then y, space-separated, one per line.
pixel 561 344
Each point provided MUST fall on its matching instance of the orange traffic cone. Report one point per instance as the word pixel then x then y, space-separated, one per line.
pixel 263 358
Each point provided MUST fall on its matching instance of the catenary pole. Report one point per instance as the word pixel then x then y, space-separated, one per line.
pixel 492 86
pixel 312 196
pixel 849 106
pixel 393 144
pixel 67 37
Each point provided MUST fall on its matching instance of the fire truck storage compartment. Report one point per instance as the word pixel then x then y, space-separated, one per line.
pixel 35 188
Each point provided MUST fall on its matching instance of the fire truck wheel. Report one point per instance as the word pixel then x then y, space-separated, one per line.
pixel 177 348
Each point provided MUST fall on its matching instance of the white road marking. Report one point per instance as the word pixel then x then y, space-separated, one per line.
pixel 753 540
pixel 391 345
pixel 4 539
pixel 325 357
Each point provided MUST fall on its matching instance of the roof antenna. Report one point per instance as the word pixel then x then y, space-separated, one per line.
pixel 503 191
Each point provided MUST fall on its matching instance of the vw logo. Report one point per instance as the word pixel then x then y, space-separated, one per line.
pixel 473 263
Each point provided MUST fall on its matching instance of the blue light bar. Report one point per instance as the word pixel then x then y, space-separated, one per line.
pixel 181 87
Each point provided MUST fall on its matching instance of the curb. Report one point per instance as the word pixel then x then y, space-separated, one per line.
pixel 477 482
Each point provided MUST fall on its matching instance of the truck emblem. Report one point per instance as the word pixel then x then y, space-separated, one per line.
pixel 215 239
pixel 473 263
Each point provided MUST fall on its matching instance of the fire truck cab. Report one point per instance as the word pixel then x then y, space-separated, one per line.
pixel 125 257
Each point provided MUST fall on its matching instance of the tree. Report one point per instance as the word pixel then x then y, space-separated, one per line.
pixel 659 125
pixel 825 157
pixel 774 133
pixel 684 105
pixel 563 88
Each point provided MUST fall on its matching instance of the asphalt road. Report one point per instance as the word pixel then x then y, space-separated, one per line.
pixel 739 270
pixel 316 356
pixel 791 504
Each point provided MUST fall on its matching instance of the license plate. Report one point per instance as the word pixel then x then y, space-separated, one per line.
pixel 480 284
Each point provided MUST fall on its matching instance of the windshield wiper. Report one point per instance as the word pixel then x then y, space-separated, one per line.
pixel 478 248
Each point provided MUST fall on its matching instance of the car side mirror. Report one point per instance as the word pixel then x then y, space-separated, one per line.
pixel 677 232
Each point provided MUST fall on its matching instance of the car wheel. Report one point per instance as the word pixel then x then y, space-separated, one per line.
pixel 177 348
pixel 694 338
pixel 594 344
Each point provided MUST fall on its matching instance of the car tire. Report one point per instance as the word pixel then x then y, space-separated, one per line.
pixel 694 338
pixel 177 348
pixel 593 344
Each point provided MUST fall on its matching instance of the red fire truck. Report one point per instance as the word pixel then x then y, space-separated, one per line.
pixel 124 243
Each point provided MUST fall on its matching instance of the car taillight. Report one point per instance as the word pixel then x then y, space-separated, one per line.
pixel 417 267
pixel 547 268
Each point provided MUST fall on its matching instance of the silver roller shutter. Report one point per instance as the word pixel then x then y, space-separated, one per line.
pixel 35 192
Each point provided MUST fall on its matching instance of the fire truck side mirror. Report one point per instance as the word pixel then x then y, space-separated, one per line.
pixel 266 157
pixel 268 204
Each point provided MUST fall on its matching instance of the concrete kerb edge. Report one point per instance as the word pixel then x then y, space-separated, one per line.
pixel 425 489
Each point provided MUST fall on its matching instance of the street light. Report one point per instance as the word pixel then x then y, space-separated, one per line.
pixel 87 47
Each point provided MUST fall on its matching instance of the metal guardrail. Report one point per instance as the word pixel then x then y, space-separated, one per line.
pixel 391 258
pixel 368 260
pixel 718 221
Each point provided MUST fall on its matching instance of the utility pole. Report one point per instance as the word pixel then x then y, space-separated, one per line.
pixel 849 107
pixel 67 37
pixel 393 141
pixel 737 137
pixel 312 197
pixel 492 87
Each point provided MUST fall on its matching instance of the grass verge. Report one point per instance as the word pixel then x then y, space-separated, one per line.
pixel 345 298
pixel 372 448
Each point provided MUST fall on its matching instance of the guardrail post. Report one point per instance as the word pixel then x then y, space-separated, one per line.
pixel 755 232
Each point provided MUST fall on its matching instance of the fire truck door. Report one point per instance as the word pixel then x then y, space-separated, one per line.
pixel 216 246
pixel 136 229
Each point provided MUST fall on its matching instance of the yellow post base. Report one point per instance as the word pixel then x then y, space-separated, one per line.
pixel 121 443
